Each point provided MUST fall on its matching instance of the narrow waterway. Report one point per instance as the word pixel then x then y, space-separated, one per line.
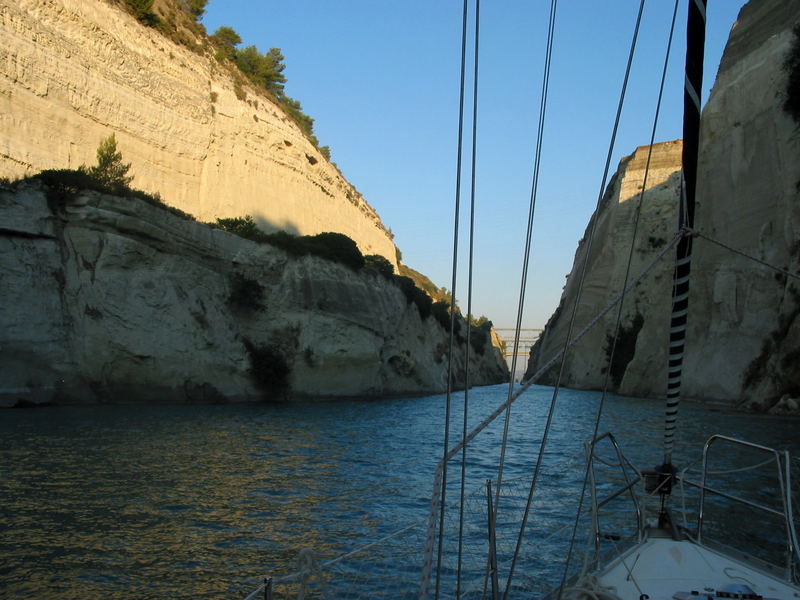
pixel 200 501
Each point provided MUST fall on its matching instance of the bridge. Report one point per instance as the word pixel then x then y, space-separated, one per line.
pixel 527 338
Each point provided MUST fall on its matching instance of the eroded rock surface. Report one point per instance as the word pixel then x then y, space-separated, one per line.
pixel 110 299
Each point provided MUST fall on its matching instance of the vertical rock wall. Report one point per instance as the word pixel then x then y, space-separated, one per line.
pixel 640 354
pixel 744 331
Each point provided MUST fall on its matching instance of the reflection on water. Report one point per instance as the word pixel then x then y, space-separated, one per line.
pixel 200 501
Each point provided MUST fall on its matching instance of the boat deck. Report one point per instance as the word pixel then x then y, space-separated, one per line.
pixel 662 568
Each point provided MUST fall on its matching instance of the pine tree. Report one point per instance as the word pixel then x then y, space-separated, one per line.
pixel 110 170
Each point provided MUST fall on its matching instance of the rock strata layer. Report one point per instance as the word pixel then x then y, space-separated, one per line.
pixel 74 71
pixel 110 299
pixel 743 341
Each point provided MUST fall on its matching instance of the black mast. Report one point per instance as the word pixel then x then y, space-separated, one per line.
pixel 695 46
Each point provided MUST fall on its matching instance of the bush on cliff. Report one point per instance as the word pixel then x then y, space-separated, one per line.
pixel 336 247
pixel 414 295
pixel 247 295
pixel 378 264
pixel 244 227
pixel 479 336
pixel 64 184
pixel 266 72
pixel 143 11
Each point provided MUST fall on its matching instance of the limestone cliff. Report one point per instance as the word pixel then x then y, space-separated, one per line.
pixel 645 311
pixel 74 71
pixel 744 329
pixel 743 344
pixel 110 299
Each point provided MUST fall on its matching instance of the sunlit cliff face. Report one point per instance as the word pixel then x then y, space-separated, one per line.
pixel 76 72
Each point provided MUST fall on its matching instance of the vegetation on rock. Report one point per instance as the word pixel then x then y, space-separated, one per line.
pixel 143 11
pixel 379 264
pixel 246 294
pixel 109 176
pixel 266 72
pixel 110 171
pixel 336 247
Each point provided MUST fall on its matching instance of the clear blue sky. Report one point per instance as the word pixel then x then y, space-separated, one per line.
pixel 380 79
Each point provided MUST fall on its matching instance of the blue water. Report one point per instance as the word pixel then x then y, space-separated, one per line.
pixel 201 501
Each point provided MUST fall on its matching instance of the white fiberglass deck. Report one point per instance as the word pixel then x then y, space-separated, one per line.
pixel 661 567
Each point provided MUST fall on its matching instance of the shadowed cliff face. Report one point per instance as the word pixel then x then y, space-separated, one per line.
pixel 72 72
pixel 640 353
pixel 743 341
pixel 110 299
pixel 744 331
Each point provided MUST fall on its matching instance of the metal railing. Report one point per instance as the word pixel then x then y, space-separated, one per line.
pixel 782 463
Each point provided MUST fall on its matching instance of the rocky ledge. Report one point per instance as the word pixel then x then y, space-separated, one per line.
pixel 114 299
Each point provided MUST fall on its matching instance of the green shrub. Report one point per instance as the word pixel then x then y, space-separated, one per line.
pixel 269 369
pixel 196 8
pixel 142 10
pixel 63 184
pixel 243 227
pixel 441 312
pixel 414 295
pixel 378 264
pixel 246 294
pixel 479 337
pixel 335 247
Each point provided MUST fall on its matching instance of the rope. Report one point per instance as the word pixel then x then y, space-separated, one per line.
pixel 649 267
pixel 745 255
pixel 469 300
pixel 448 401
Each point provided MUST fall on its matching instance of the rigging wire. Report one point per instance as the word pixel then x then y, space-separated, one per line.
pixel 469 299
pixel 448 398
pixel 627 277
pixel 764 263
pixel 523 283
pixel 527 250
pixel 426 571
